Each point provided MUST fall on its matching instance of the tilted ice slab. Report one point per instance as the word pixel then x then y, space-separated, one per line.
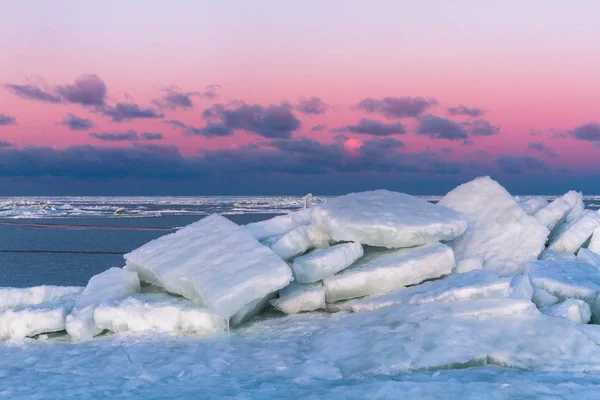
pixel 111 284
pixel 299 240
pixel 250 310
pixel 541 298
pixel 387 219
pixel 595 241
pixel 589 257
pixel 479 284
pixel 156 312
pixel 531 205
pixel 499 230
pixel 22 297
pixel 577 311
pixel 555 212
pixel 212 262
pixel 279 225
pixel 576 233
pixel 299 297
pixel 578 209
pixel 27 321
pixel 566 279
pixel 322 264
pixel 549 254
pixel 380 271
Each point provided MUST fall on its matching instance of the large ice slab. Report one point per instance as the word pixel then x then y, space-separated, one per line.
pixel 299 240
pixel 594 244
pixel 22 297
pixel 566 279
pixel 380 271
pixel 279 225
pixel 589 257
pixel 556 212
pixel 387 219
pixel 478 284
pixel 299 297
pixel 468 264
pixel 250 310
pixel 531 205
pixel 577 311
pixel 213 262
pixel 541 298
pixel 27 321
pixel 576 233
pixel 111 284
pixel 499 230
pixel 156 312
pixel 322 264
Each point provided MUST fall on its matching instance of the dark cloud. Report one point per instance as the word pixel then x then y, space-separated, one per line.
pixel 152 136
pixel 209 131
pixel 589 132
pixel 473 112
pixel 274 121
pixel 447 150
pixel 7 120
pixel 397 107
pixel 175 123
pixel 312 106
pixel 88 90
pixel 444 167
pixel 130 135
pixel 318 128
pixel 128 111
pixel 174 99
pixel 210 92
pixel 33 92
pixel 375 128
pixel 4 144
pixel 441 128
pixel 76 123
pixel 480 127
pixel 540 147
pixel 519 164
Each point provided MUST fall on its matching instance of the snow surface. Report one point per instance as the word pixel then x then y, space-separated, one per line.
pixel 531 205
pixel 576 233
pixel 468 264
pixel 387 219
pixel 577 311
pixel 498 230
pixel 212 262
pixel 156 312
pixel 298 297
pixel 110 284
pixel 322 264
pixel 22 297
pixel 381 271
pixel 27 321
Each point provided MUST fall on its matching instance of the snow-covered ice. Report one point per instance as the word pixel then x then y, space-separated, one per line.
pixel 322 264
pixel 27 321
pixel 468 264
pixel 299 240
pixel 279 225
pixel 556 212
pixel 576 233
pixel 549 254
pixel 387 219
pixel 156 312
pixel 589 257
pixel 214 262
pixel 298 297
pixel 541 298
pixel 110 284
pixel 531 205
pixel 574 310
pixel 499 230
pixel 22 297
pixel 381 271
pixel 594 244
pixel 566 279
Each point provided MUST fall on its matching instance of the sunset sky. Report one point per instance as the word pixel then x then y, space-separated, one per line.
pixel 290 97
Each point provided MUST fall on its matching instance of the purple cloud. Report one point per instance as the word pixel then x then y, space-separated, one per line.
pixel 76 123
pixel 441 128
pixel 589 132
pixel 375 128
pixel 130 135
pixel 175 123
pixel 88 90
pixel 32 92
pixel 4 144
pixel 318 128
pixel 152 136
pixel 396 107
pixel 7 120
pixel 274 121
pixel 473 112
pixel 209 131
pixel 128 111
pixel 312 106
pixel 541 148
pixel 480 127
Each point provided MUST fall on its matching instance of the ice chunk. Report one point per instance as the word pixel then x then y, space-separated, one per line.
pixel 549 254
pixel 479 284
pixel 322 264
pixel 577 233
pixel 21 322
pixel 578 209
pixel 212 262
pixel 595 241
pixel 566 279
pixel 299 297
pixel 468 264
pixel 156 312
pixel 384 271
pixel 279 225
pixel 250 310
pixel 531 205
pixel 521 287
pixel 299 240
pixel 387 219
pixel 22 297
pixel 589 257
pixel 111 284
pixel 575 310
pixel 555 212
pixel 541 298
pixel 499 230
